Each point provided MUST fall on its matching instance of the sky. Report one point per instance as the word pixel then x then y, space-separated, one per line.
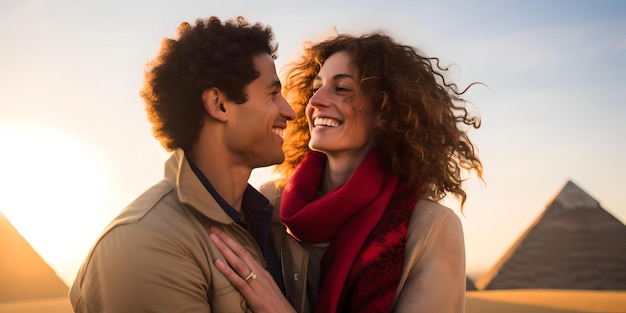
pixel 77 147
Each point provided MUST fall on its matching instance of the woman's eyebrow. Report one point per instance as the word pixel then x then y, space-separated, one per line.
pixel 336 77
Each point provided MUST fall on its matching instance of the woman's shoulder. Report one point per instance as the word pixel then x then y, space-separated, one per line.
pixel 429 209
pixel 271 191
pixel 431 216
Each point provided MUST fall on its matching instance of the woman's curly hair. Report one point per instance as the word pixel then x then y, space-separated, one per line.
pixel 206 55
pixel 422 138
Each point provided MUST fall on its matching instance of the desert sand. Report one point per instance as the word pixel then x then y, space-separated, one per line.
pixel 496 301
pixel 51 305
pixel 545 301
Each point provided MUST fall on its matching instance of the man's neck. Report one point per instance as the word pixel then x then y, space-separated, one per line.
pixel 229 180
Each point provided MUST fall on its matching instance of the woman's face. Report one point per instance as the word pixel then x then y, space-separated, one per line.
pixel 341 120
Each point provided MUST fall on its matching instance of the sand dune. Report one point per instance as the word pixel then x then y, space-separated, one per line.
pixel 492 301
pixel 52 305
pixel 545 301
pixel 493 306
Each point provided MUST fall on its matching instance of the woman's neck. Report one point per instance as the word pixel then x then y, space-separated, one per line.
pixel 338 171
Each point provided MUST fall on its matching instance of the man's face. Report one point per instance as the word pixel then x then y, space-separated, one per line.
pixel 255 128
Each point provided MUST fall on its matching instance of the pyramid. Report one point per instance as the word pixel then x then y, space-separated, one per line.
pixel 573 244
pixel 24 275
pixel 469 284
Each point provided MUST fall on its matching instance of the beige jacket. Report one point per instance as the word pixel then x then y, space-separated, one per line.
pixel 156 256
pixel 433 279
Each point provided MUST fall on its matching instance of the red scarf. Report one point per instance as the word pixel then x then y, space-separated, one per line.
pixel 366 246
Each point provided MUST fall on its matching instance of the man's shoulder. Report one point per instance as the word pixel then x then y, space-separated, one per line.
pixel 145 216
pixel 153 239
pixel 145 203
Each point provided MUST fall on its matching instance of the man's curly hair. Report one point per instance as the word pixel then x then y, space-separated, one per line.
pixel 422 138
pixel 209 54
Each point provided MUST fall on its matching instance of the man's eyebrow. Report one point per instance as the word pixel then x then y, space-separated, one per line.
pixel 274 84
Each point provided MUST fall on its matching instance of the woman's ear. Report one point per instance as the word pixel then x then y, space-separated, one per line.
pixel 380 121
pixel 213 101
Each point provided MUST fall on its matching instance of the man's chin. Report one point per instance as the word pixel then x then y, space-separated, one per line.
pixel 279 160
pixel 274 161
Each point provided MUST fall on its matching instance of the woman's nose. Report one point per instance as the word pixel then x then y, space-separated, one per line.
pixel 319 98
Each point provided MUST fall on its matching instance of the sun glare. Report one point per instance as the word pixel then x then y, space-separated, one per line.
pixel 53 183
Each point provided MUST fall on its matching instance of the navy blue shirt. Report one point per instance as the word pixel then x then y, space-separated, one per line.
pixel 258 213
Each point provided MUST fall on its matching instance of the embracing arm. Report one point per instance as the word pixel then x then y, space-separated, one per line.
pixel 260 289
pixel 435 279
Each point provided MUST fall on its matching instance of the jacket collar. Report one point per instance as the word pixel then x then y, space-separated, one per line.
pixel 190 189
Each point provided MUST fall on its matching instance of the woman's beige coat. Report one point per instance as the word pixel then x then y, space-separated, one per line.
pixel 433 279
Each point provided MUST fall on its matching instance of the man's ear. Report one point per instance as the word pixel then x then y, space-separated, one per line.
pixel 213 100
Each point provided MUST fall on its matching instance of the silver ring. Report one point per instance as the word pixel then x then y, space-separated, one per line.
pixel 251 276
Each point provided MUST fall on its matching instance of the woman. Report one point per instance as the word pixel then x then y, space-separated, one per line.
pixel 378 135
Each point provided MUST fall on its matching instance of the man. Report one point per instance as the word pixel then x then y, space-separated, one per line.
pixel 214 99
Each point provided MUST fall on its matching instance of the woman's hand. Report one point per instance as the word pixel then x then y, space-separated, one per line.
pixel 249 277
